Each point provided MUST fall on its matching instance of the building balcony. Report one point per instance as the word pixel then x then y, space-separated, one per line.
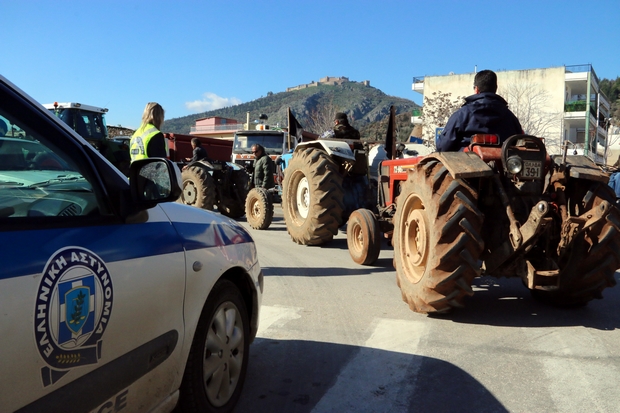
pixel 603 102
pixel 418 84
pixel 575 106
pixel 416 116
pixel 579 106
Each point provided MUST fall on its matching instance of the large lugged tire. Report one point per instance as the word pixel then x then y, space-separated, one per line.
pixel 312 197
pixel 592 258
pixel 259 208
pixel 218 359
pixel 198 188
pixel 436 239
pixel 233 206
pixel 363 237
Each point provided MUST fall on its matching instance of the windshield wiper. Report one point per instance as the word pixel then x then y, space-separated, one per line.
pixel 11 183
pixel 60 179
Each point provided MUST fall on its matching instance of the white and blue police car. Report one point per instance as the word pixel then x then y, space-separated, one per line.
pixel 113 298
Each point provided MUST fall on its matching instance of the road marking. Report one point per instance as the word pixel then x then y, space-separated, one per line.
pixel 382 373
pixel 276 316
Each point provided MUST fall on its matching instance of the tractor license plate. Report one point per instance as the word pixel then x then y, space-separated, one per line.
pixel 532 169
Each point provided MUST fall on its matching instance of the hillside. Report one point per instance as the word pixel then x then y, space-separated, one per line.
pixel 364 105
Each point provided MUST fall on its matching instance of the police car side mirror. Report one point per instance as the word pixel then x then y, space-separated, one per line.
pixel 154 180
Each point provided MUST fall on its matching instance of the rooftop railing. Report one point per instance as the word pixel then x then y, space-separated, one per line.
pixel 581 68
pixel 217 128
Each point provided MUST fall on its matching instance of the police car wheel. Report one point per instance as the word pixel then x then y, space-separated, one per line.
pixel 217 363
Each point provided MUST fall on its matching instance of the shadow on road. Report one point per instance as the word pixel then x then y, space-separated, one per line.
pixel 507 302
pixel 496 302
pixel 302 373
pixel 322 271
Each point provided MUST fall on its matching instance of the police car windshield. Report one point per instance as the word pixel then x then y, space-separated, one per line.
pixel 272 143
pixel 23 154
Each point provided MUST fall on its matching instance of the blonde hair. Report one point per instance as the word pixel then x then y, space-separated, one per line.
pixel 153 114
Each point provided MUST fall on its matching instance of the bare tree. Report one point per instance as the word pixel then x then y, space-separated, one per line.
pixel 530 104
pixel 321 118
pixel 436 111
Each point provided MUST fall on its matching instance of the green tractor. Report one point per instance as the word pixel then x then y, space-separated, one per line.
pixel 89 122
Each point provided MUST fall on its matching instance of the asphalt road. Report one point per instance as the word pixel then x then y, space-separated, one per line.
pixel 336 337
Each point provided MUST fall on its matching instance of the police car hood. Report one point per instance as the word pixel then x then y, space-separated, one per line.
pixel 200 228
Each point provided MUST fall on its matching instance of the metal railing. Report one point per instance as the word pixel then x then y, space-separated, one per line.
pixel 217 128
pixel 581 68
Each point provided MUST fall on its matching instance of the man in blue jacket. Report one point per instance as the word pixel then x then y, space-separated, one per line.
pixel 483 112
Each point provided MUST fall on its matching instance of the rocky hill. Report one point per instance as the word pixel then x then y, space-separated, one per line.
pixel 364 105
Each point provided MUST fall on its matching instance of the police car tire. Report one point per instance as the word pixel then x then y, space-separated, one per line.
pixel 225 306
pixel 259 208
pixel 198 188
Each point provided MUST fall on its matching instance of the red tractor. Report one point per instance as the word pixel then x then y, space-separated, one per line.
pixel 504 210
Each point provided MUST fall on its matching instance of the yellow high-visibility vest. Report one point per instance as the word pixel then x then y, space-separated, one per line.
pixel 140 141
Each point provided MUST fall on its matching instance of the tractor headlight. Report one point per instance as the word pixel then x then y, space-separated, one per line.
pixel 514 164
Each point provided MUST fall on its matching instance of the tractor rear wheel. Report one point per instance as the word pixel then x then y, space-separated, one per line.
pixel 592 258
pixel 312 197
pixel 363 237
pixel 233 206
pixel 198 188
pixel 436 239
pixel 259 208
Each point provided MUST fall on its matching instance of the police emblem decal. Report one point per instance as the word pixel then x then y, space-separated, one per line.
pixel 72 310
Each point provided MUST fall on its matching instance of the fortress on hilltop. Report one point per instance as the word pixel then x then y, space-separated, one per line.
pixel 327 80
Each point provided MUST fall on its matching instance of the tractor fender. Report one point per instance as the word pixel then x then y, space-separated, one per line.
pixel 461 165
pixel 582 167
pixel 334 148
pixel 215 166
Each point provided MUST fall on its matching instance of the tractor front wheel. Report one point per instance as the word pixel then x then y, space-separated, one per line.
pixel 363 237
pixel 259 208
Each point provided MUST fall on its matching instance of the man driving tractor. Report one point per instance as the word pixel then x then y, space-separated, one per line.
pixel 483 112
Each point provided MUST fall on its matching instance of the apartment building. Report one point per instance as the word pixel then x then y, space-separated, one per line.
pixel 560 104
pixel 216 127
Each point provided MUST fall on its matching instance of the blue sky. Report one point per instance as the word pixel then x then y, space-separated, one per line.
pixel 193 56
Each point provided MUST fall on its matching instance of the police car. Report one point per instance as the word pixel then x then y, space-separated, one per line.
pixel 112 297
